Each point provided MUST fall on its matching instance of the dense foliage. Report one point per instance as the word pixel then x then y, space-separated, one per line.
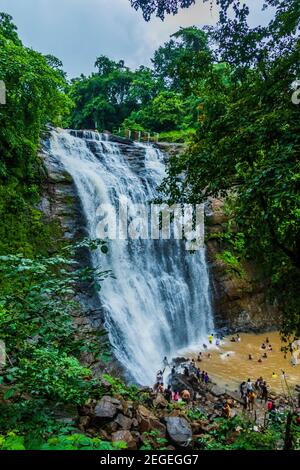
pixel 247 146
pixel 228 89
pixel 36 96
pixel 160 7
pixel 44 346
pixel 160 99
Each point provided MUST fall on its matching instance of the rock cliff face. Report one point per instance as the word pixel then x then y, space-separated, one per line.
pixel 60 201
pixel 240 300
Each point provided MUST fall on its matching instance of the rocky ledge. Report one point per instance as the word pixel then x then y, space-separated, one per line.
pixel 149 421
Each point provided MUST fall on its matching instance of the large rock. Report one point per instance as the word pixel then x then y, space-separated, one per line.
pixel 128 408
pixel 107 408
pixel 240 293
pixel 148 421
pixel 160 401
pixel 67 414
pixel 125 436
pixel 180 383
pixel 84 422
pixel 123 422
pixel 179 430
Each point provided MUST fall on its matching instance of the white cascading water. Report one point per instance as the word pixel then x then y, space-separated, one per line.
pixel 159 302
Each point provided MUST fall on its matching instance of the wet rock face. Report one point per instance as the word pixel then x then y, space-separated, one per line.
pixel 240 298
pixel 180 382
pixel 179 430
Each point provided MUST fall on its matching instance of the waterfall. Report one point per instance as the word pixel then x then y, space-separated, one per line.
pixel 159 302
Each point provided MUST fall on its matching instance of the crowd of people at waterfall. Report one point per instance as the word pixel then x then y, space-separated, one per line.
pixel 255 398
pixel 189 369
pixel 250 391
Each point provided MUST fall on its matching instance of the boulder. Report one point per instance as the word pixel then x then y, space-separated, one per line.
pixel 216 391
pixel 128 409
pixel 135 423
pixel 123 422
pixel 147 421
pixel 84 422
pixel 104 435
pixel 67 414
pixel 180 382
pixel 105 384
pixel 179 430
pixel 110 427
pixel 107 408
pixel 160 401
pixel 125 436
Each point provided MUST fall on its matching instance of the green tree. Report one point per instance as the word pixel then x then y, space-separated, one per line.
pixel 104 99
pixel 183 59
pixel 247 145
pixel 35 97
pixel 43 342
pixel 160 7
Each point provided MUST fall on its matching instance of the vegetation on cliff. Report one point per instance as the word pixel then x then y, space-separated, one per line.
pixel 36 95
pixel 246 147
pixel 229 90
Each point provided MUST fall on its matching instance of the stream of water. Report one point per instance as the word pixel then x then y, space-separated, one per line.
pixel 159 301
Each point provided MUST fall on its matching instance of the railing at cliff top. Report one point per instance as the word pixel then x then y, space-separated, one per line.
pixel 137 136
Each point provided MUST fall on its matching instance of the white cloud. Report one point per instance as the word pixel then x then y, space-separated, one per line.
pixel 77 31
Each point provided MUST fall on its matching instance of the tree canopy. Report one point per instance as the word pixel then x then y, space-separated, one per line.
pixel 246 147
pixel 226 92
pixel 160 7
pixel 36 96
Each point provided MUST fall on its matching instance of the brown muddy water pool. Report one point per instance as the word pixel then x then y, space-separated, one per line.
pixel 229 363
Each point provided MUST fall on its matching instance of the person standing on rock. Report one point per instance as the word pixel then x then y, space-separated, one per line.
pixel 249 386
pixel 251 400
pixel 168 394
pixel 245 402
pixel 264 392
pixel 227 410
pixel 166 362
pixel 243 389
pixel 159 377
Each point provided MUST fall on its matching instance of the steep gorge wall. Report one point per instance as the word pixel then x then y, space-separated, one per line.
pixel 240 302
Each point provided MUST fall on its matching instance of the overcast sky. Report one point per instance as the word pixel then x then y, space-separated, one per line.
pixel 78 31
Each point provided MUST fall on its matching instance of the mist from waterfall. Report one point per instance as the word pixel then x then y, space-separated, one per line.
pixel 159 301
